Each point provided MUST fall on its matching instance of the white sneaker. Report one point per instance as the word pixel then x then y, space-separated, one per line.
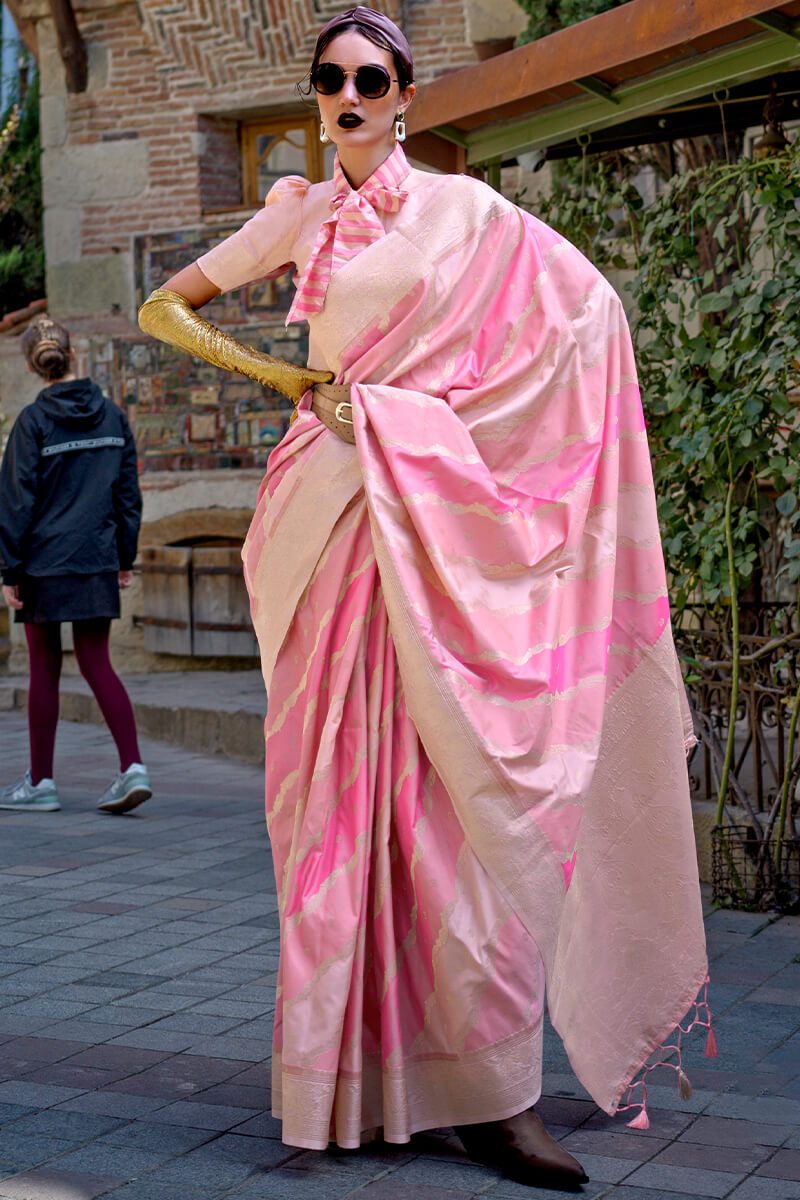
pixel 130 788
pixel 27 796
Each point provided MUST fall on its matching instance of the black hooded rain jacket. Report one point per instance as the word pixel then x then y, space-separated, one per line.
pixel 69 492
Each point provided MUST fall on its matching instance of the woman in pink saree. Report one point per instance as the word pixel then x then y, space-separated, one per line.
pixel 476 785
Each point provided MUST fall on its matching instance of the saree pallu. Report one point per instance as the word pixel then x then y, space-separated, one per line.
pixel 476 738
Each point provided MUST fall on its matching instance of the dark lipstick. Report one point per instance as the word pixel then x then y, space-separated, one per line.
pixel 350 121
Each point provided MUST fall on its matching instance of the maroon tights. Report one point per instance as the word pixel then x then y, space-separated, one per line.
pixel 90 639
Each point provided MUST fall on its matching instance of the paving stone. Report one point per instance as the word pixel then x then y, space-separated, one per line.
pixel 663 1124
pixel 91 1031
pixel 60 1123
pixel 358 1163
pixel 192 1023
pixel 171 1140
pixel 49 1184
pixel 784 1165
pixel 389 1189
pixel 64 1075
pixel 762 1109
pixel 759 1188
pixel 690 1180
pixel 738 1160
pixel 146 1189
pixel 130 981
pixel 629 1193
pixel 455 1173
pixel 113 1103
pixel 22 1151
pixel 203 1116
pixel 261 1126
pixel 507 1189
pixel 284 1184
pixel 225 1047
pixel 603 1169
pixel 10 1112
pixel 618 1145
pixel 43 1049
pixel 193 1168
pixel 123 1162
pixel 35 1095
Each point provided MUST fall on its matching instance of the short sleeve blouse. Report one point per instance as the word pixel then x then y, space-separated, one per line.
pixel 264 247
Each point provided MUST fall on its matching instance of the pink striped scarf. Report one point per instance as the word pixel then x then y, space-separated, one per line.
pixel 354 224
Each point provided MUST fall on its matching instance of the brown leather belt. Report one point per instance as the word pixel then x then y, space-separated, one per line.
pixel 331 405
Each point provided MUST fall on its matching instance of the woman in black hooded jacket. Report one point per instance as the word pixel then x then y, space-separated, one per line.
pixel 70 510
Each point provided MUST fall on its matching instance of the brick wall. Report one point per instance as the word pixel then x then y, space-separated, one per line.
pixel 219 151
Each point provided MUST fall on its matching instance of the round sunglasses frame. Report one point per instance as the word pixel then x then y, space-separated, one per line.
pixel 386 79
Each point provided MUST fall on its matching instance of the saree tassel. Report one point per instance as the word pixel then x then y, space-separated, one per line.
pixel 684 1086
pixel 640 1122
pixel 711 1050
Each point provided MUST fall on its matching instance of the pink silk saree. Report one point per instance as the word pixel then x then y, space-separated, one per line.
pixel 476 778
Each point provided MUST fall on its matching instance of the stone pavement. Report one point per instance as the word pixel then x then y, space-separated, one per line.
pixel 137 972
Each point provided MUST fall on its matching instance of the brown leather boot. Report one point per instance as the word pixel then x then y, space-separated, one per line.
pixel 524 1151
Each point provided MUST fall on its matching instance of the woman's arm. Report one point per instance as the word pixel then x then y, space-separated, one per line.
pixel 19 485
pixel 262 248
pixel 127 503
pixel 169 314
pixel 192 284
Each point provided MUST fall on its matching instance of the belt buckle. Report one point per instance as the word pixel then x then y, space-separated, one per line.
pixel 338 412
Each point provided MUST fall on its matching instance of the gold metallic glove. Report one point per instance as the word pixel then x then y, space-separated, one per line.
pixel 171 318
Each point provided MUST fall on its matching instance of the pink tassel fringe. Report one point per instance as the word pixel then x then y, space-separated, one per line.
pixel 669 1055
pixel 640 1122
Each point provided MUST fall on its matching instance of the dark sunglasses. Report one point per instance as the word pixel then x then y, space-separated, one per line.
pixel 372 82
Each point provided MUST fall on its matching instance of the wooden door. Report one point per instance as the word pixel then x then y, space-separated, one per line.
pixel 166 599
pixel 220 604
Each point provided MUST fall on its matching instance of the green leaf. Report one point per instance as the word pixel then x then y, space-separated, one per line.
pixel 786 504
pixel 713 302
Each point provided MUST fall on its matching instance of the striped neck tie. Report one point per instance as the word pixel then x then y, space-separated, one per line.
pixel 353 225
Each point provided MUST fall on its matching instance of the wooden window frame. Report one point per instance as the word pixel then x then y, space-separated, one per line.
pixel 252 130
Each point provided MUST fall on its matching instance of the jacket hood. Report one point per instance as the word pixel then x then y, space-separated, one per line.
pixel 73 403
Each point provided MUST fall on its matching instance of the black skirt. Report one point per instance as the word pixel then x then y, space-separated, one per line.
pixel 47 598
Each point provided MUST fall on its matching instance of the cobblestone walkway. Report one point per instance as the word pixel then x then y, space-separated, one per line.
pixel 137 972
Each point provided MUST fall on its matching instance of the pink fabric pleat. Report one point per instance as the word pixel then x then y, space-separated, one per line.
pixel 410 995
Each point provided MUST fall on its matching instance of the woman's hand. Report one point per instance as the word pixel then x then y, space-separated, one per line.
pixel 125 578
pixel 11 595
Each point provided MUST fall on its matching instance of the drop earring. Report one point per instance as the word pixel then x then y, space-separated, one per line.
pixel 400 127
pixel 323 136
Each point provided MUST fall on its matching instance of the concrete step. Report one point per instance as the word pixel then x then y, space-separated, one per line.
pixel 214 712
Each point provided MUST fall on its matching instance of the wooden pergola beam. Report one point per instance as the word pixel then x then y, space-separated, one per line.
pixel 668 88
pixel 638 30
pixel 71 45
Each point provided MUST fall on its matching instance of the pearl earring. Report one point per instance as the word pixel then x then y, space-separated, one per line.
pixel 400 127
pixel 323 136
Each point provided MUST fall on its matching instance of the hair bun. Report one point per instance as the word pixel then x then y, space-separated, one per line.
pixel 46 346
